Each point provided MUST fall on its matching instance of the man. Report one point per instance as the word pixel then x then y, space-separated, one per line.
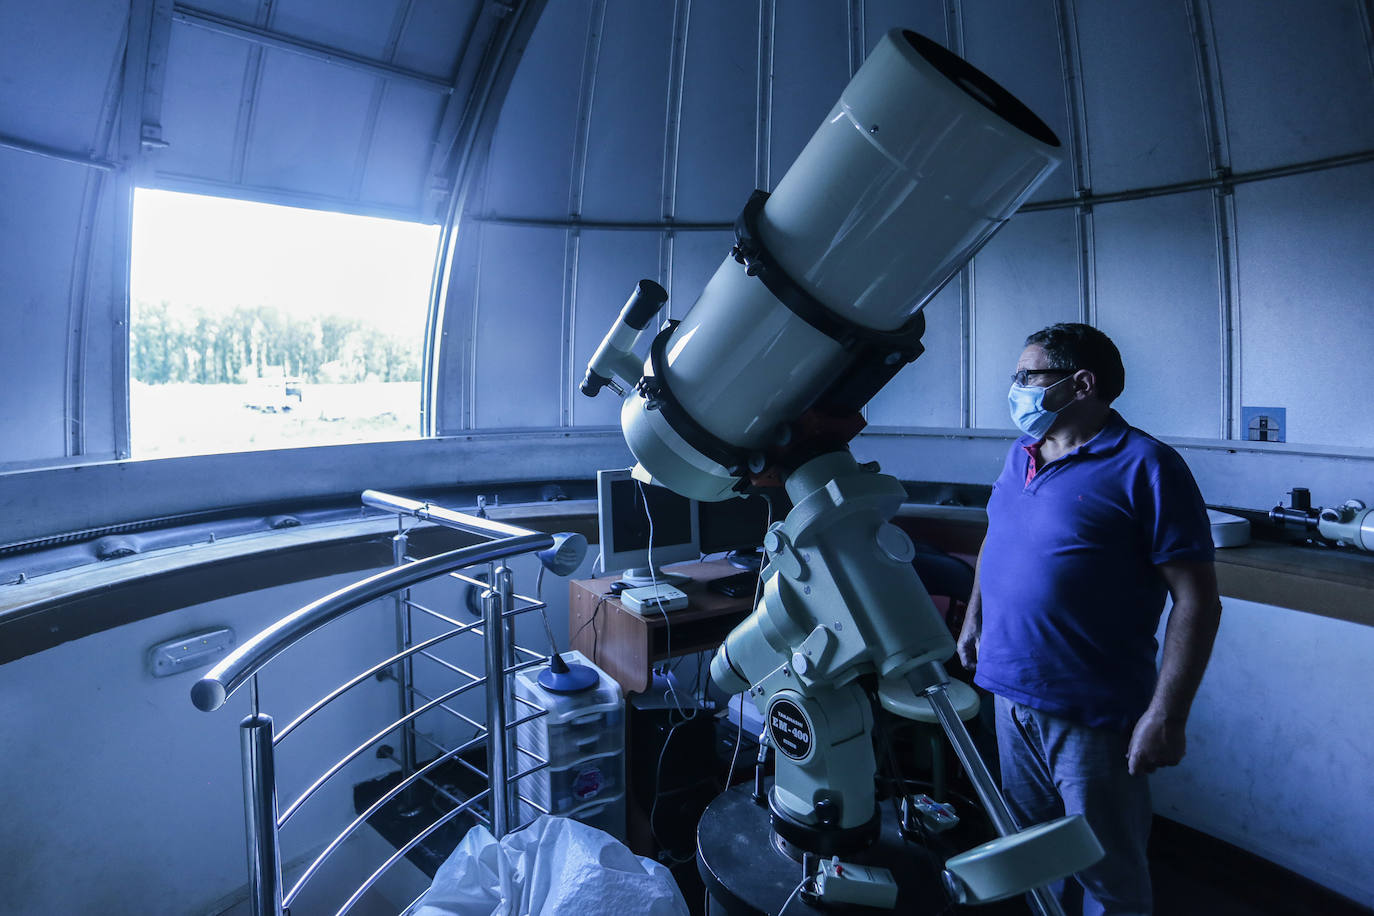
pixel 1091 523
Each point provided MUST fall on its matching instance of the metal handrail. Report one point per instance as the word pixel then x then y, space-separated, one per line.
pixel 500 604
pixel 212 690
pixel 447 517
pixel 415 841
pixel 417 649
pixel 353 754
pixel 371 810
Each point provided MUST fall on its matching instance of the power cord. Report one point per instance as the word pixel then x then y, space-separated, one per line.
pixel 591 622
pixel 668 626
pixel 739 739
pixel 795 891
pixel 672 859
pixel 885 740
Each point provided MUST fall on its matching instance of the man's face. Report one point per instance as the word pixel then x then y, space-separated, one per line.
pixel 1034 362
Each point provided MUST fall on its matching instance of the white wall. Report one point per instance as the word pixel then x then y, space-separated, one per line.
pixel 1281 745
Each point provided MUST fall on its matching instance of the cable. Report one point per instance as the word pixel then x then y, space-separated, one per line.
pixel 739 739
pixel 796 890
pixel 591 622
pixel 758 585
pixel 668 627
pixel 739 732
pixel 884 738
pixel 653 809
pixel 543 610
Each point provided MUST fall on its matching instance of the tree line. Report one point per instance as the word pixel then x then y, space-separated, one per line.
pixel 193 344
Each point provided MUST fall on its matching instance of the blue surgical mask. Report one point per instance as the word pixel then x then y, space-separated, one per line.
pixel 1028 410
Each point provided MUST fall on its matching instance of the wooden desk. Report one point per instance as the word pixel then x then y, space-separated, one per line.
pixel 1336 583
pixel 625 645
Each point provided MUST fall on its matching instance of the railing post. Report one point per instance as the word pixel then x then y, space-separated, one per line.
pixel 505 587
pixel 260 815
pixel 405 676
pixel 493 632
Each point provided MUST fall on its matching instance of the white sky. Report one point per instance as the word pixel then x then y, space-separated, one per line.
pixel 219 253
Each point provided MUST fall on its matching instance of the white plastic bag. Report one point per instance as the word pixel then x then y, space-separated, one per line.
pixel 554 866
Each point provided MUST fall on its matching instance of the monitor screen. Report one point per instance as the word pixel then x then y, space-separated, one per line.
pixel 624 509
pixel 732 524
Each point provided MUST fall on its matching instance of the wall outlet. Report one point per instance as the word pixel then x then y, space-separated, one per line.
pixel 1264 424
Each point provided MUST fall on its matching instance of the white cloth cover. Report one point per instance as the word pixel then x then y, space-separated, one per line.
pixel 553 866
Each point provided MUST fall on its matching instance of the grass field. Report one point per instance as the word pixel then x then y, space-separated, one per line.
pixel 183 419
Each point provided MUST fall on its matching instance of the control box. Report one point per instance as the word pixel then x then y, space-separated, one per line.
pixel 844 882
pixel 654 599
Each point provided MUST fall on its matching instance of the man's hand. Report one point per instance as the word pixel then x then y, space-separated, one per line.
pixel 967 645
pixel 1156 742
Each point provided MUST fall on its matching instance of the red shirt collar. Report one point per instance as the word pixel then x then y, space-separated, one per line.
pixel 1032 459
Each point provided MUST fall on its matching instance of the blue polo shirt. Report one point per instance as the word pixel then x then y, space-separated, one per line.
pixel 1071 596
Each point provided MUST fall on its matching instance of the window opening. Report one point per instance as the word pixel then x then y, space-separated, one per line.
pixel 257 326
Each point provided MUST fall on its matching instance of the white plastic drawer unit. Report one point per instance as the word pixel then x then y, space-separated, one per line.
pixel 578 785
pixel 582 737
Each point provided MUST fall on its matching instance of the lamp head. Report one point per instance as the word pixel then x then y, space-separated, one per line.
pixel 566 554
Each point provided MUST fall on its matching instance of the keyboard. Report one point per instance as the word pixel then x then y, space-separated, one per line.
pixel 736 585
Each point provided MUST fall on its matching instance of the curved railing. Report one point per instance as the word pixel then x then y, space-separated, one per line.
pixel 221 681
pixel 499 603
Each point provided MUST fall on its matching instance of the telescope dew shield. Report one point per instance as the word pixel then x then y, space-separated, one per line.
pixel 919 163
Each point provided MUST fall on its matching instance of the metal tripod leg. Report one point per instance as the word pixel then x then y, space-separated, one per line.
pixel 932 681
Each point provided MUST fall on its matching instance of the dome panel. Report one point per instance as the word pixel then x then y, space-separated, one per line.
pixel 925 16
pixel 398 153
pixel 1141 94
pixel 308 125
pixel 246 11
pixel 361 26
pixel 1155 268
pixel 928 391
pixel 529 168
pixel 623 178
pixel 43 204
pixel 436 33
pixel 810 70
pixel 201 120
pixel 1295 79
pixel 718 129
pixel 1024 279
pixel 517 333
pixel 59 60
pixel 1304 281
pixel 1017 44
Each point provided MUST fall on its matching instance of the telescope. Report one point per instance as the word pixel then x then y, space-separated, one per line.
pixel 761 385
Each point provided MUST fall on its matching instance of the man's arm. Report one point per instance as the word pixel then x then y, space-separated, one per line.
pixel 1158 739
pixel 972 630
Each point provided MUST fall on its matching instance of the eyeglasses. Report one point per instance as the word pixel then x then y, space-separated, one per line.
pixel 1022 377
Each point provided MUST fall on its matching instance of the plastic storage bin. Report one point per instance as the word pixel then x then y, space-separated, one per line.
pixel 578 784
pixel 582 736
pixel 578 725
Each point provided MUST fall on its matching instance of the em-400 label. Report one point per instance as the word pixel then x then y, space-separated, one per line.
pixel 789 729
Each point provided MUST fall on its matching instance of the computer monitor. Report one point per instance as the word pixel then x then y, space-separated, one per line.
pixel 624 508
pixel 735 525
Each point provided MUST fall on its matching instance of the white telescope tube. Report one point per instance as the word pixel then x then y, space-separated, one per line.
pixel 920 161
